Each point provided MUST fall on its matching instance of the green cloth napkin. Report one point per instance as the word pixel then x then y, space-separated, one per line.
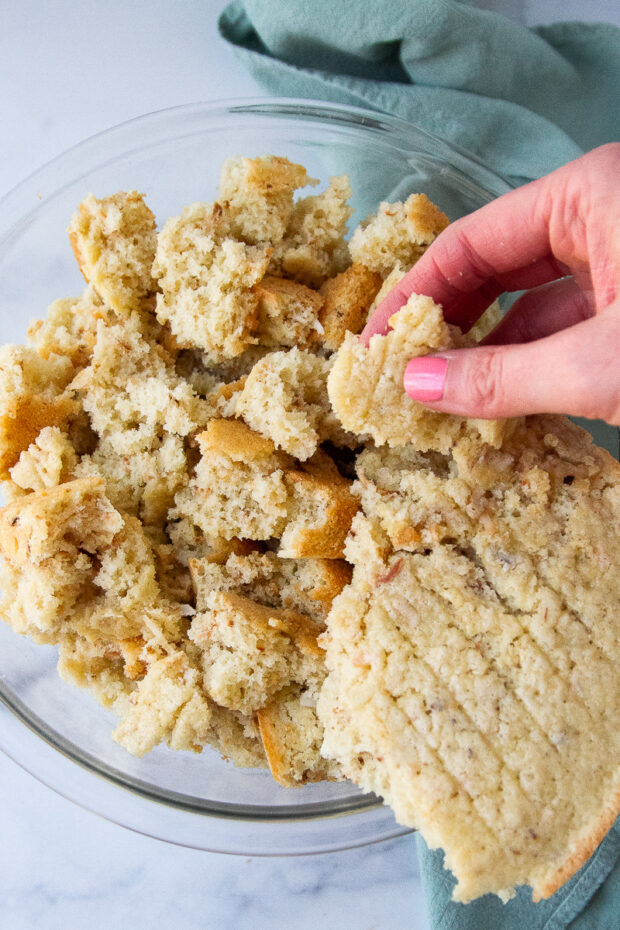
pixel 589 901
pixel 524 101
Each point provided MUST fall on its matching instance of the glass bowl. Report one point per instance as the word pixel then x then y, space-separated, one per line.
pixel 175 157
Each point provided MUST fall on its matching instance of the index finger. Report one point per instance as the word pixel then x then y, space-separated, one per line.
pixel 501 247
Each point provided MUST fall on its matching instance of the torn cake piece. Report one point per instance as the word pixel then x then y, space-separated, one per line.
pixel 398 234
pixel 472 661
pixel 307 586
pixel 206 278
pixel 285 399
pixel 288 313
pixel 238 489
pixel 32 396
pixel 251 651
pixel 314 247
pixel 258 195
pixel 347 299
pixel 366 390
pixel 113 240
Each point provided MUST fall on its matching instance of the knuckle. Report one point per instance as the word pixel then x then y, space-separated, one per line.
pixel 484 383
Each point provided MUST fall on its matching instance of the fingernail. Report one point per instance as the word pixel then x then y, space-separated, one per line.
pixel 425 377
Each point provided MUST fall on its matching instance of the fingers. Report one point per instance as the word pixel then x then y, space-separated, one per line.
pixel 378 322
pixel 574 371
pixel 464 269
pixel 462 309
pixel 562 223
pixel 541 312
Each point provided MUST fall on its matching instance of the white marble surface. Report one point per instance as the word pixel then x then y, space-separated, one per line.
pixel 68 70
pixel 62 868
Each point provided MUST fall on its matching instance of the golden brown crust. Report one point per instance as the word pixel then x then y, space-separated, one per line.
pixel 77 252
pixel 284 742
pixel 25 419
pixel 588 845
pixel 236 440
pixel 270 734
pixel 336 576
pixel 347 298
pixel 274 622
pixel 323 536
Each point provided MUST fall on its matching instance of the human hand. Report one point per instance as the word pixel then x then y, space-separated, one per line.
pixel 557 350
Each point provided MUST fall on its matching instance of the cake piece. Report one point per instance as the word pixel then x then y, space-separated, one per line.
pixel 69 328
pixel 285 399
pixel 346 301
pixel 73 566
pixel 250 651
pixel 236 737
pixel 307 586
pixel 48 461
pixel 398 234
pixel 114 242
pixel 238 488
pixel 142 483
pixel 366 390
pixel 476 671
pixel 32 396
pixel 415 496
pixel 292 736
pixel 132 392
pixel 94 664
pixel 48 540
pixel 289 728
pixel 314 247
pixel 258 195
pixel 244 488
pixel 206 278
pixel 288 313
pixel 53 521
pixel 108 649
pixel 168 705
pixel 320 509
pixel 478 496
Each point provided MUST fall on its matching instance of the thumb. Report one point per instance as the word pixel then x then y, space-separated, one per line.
pixel 574 371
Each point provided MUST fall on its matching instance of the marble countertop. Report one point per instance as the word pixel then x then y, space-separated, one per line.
pixel 68 70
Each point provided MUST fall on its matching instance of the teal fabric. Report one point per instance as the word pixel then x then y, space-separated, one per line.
pixel 524 101
pixel 589 901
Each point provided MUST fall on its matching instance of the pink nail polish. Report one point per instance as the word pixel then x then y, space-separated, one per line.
pixel 425 377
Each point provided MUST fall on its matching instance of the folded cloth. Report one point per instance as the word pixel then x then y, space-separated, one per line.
pixel 589 901
pixel 523 100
